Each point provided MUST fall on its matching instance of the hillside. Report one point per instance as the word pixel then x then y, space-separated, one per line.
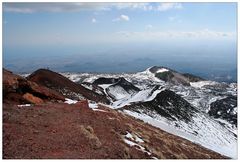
pixel 59 130
pixel 64 86
pixel 84 128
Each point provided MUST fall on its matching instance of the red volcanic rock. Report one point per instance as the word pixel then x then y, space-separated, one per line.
pixel 45 92
pixel 10 81
pixel 15 86
pixel 32 99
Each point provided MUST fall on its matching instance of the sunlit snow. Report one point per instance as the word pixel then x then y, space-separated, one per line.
pixel 25 105
pixel 69 101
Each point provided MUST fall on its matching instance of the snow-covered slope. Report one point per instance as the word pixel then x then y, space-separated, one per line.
pixel 213 132
pixel 171 109
pixel 121 89
pixel 201 130
pixel 141 96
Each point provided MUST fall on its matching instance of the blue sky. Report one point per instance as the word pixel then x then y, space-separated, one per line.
pixel 117 37
pixel 80 23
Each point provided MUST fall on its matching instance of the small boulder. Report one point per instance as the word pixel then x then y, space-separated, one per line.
pixel 32 99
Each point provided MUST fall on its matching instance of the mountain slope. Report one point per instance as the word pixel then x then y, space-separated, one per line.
pixel 225 109
pixel 121 89
pixel 168 105
pixel 53 129
pixel 171 76
pixel 175 113
pixel 65 86
pixel 217 132
pixel 181 104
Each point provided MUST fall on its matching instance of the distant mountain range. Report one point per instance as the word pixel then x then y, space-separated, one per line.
pixel 188 107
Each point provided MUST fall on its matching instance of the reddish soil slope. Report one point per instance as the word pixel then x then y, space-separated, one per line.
pixel 75 131
pixel 62 84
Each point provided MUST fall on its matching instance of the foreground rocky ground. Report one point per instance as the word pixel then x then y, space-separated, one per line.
pixel 75 131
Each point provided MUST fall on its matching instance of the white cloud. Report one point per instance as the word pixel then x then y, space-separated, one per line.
pixel 142 6
pixel 148 6
pixel 122 18
pixel 18 10
pixel 81 6
pixel 53 7
pixel 169 6
pixel 205 33
pixel 94 20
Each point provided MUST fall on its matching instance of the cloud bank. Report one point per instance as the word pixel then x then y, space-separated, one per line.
pixel 205 33
pixel 81 6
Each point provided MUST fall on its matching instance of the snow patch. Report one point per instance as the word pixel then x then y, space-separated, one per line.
pixel 139 140
pixel 92 105
pixel 118 92
pixel 129 135
pixel 200 84
pixel 69 101
pixel 131 140
pixel 99 110
pixel 162 70
pixel 104 86
pixel 74 77
pixel 25 105
pixel 134 137
pixel 234 110
pixel 141 96
pixel 130 143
